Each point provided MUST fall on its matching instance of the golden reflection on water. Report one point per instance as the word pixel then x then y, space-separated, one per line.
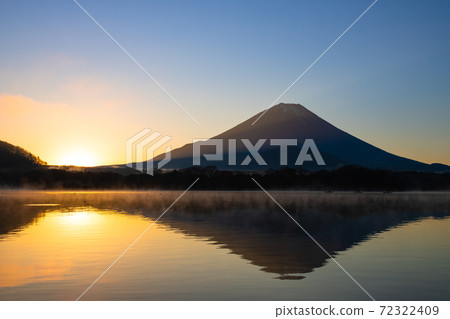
pixel 221 246
pixel 61 241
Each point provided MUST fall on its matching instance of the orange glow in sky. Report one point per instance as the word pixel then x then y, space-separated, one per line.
pixel 69 84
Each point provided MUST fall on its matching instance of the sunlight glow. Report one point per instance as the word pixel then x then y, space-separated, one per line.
pixel 78 158
pixel 77 218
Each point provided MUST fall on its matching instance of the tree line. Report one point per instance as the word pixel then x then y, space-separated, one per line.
pixel 348 178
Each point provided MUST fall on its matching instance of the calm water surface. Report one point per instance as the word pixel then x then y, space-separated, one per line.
pixel 223 246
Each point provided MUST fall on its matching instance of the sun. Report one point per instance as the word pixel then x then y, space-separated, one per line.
pixel 78 158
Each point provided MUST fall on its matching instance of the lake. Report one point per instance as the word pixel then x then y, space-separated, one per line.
pixel 224 246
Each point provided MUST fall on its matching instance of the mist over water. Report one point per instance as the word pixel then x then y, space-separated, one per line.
pixel 224 246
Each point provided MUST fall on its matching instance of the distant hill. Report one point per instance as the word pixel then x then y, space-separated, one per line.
pixel 15 157
pixel 294 121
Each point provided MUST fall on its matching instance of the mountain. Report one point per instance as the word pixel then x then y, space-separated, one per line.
pixel 294 121
pixel 15 157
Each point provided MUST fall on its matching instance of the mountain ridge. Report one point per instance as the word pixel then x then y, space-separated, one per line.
pixel 15 157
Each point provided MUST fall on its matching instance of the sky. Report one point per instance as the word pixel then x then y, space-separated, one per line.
pixel 68 91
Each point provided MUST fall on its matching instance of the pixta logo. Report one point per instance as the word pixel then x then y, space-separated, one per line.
pixel 253 151
pixel 141 149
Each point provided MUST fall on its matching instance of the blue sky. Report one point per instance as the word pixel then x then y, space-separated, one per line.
pixel 386 81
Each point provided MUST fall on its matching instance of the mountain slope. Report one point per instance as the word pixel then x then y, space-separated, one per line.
pixel 293 121
pixel 15 157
